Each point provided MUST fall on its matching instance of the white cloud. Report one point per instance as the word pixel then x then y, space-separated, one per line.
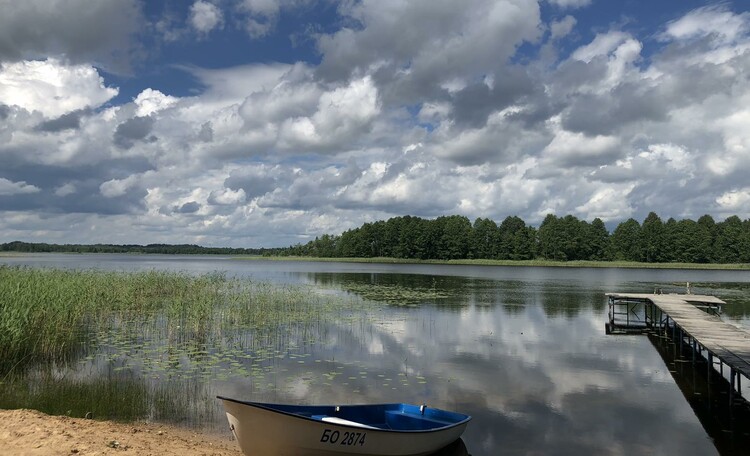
pixel 227 197
pixel 150 101
pixel 65 190
pixel 618 50
pixel 117 187
pixel 570 3
pixel 342 115
pixel 602 45
pixel 735 201
pixel 8 187
pixel 266 7
pixel 420 44
pixel 271 154
pixel 80 31
pixel 205 16
pixel 568 148
pixel 51 87
pixel 262 15
pixel 713 20
pixel 609 203
pixel 563 27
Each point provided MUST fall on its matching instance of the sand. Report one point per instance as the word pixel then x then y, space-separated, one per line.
pixel 27 432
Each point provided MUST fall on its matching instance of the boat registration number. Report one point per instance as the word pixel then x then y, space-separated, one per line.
pixel 343 438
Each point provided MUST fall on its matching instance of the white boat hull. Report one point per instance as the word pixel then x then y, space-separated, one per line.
pixel 263 432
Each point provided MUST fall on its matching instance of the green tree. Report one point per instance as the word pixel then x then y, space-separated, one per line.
pixel 550 238
pixel 454 241
pixel 706 238
pixel 573 233
pixel 669 246
pixel 728 243
pixel 408 238
pixel 598 241
pixel 744 247
pixel 652 234
pixel 516 241
pixel 484 238
pixel 626 241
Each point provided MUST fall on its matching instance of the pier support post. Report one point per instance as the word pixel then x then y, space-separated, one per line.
pixel 739 384
pixel 693 344
pixel 732 374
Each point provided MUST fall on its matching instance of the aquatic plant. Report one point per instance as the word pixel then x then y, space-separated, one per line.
pixel 49 314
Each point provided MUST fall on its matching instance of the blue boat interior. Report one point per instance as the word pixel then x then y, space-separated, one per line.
pixel 393 417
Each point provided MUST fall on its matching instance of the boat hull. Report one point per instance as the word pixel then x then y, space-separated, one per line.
pixel 262 431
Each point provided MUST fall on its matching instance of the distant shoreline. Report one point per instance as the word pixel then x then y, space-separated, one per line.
pixel 465 262
pixel 518 263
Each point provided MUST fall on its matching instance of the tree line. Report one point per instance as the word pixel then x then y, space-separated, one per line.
pixel 40 247
pixel 557 238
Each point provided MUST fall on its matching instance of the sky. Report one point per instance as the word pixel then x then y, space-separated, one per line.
pixel 262 123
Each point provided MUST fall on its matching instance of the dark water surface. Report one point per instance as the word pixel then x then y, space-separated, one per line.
pixel 522 350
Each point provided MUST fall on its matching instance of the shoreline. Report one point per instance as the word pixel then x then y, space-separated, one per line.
pixel 614 264
pixel 29 432
pixel 513 263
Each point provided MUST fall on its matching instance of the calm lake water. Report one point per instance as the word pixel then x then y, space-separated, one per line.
pixel 522 350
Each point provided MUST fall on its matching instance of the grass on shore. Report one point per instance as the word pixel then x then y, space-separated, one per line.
pixel 521 263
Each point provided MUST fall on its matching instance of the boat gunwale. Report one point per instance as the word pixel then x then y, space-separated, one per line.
pixel 269 407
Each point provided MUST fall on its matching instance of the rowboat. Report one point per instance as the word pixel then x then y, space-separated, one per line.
pixel 315 430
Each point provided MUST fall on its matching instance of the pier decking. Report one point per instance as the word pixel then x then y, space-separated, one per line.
pixel 722 341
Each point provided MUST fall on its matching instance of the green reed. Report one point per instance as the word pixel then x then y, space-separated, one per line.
pixel 46 314
pixel 121 398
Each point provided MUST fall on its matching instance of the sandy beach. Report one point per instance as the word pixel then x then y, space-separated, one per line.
pixel 31 433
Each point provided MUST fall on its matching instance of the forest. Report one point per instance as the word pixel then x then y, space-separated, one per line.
pixel 454 237
pixel 557 238
pixel 38 247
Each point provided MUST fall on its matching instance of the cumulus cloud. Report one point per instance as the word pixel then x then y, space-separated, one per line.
pixel 132 130
pixel 227 197
pixel 570 3
pixel 576 149
pixel 261 16
pixel 205 16
pixel 69 121
pixel 8 187
pixel 416 46
pixel 52 87
pixel 735 201
pixel 65 190
pixel 424 108
pixel 150 101
pixel 563 27
pixel 190 207
pixel 117 187
pixel 342 115
pixel 78 30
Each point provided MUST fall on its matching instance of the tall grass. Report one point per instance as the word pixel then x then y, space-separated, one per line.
pixel 45 313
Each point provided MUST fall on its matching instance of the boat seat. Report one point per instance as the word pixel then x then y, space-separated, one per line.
pixel 413 421
pixel 341 421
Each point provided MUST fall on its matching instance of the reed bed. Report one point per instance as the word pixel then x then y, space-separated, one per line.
pixel 47 313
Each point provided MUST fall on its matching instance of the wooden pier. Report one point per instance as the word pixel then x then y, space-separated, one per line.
pixel 690 320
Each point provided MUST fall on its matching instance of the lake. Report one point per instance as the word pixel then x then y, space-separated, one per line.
pixel 521 349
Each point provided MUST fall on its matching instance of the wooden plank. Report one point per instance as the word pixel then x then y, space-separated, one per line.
pixel 731 344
